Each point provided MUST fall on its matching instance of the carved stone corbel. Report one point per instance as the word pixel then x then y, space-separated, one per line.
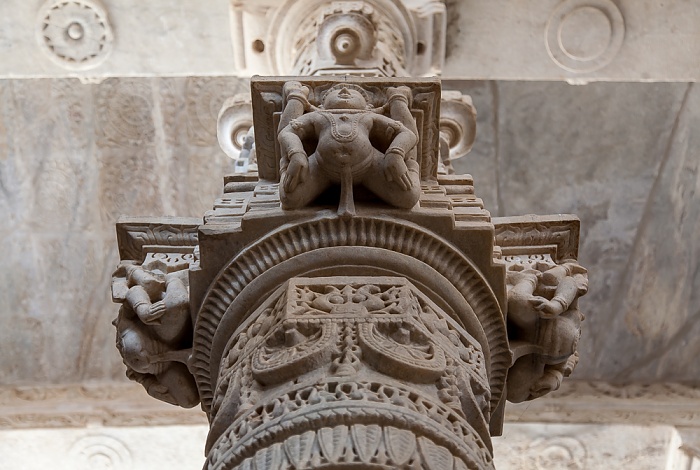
pixel 349 305
pixel 544 283
pixel 154 325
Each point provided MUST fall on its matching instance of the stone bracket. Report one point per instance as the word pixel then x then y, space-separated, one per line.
pixel 267 98
pixel 135 234
pixel 554 235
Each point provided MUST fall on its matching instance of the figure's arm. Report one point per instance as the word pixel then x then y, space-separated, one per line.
pixel 567 291
pixel 140 302
pixel 399 107
pixel 297 103
pixel 138 276
pixel 296 96
pixel 404 139
pixel 295 162
pixel 522 294
pixel 397 154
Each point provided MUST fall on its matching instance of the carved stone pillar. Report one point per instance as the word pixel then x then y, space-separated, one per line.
pixel 350 371
pixel 346 306
pixel 342 319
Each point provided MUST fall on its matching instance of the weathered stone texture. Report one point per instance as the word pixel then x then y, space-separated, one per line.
pixel 118 448
pixel 609 153
pixel 73 157
pixel 632 40
pixel 589 447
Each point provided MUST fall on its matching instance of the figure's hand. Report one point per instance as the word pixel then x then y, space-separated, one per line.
pixel 156 389
pixel 401 90
pixel 296 171
pixel 153 285
pixel 294 86
pixel 547 308
pixel 396 170
pixel 156 311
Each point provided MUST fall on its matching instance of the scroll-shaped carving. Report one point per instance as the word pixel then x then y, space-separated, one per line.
pixel 457 127
pixel 154 327
pixel 545 323
pixel 345 141
pixel 233 128
pixel 365 37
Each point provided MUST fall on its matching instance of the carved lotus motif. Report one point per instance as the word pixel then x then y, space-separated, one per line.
pixel 402 350
pixel 292 350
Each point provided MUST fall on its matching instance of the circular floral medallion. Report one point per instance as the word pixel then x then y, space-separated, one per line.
pixel 75 33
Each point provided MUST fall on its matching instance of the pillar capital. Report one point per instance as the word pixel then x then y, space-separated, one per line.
pixel 350 304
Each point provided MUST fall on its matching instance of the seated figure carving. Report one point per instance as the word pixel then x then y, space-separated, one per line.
pixel 343 137
pixel 152 325
pixel 542 306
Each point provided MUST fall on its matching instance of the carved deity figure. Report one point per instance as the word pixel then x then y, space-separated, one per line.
pixel 340 142
pixel 153 323
pixel 542 307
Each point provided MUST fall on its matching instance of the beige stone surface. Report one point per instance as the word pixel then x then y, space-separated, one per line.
pixel 74 157
pixel 577 40
pixel 97 447
pixel 586 447
pixel 150 38
pixel 620 156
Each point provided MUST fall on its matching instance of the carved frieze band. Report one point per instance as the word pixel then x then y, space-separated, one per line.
pixel 134 233
pixel 556 235
pixel 601 402
pixel 79 405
